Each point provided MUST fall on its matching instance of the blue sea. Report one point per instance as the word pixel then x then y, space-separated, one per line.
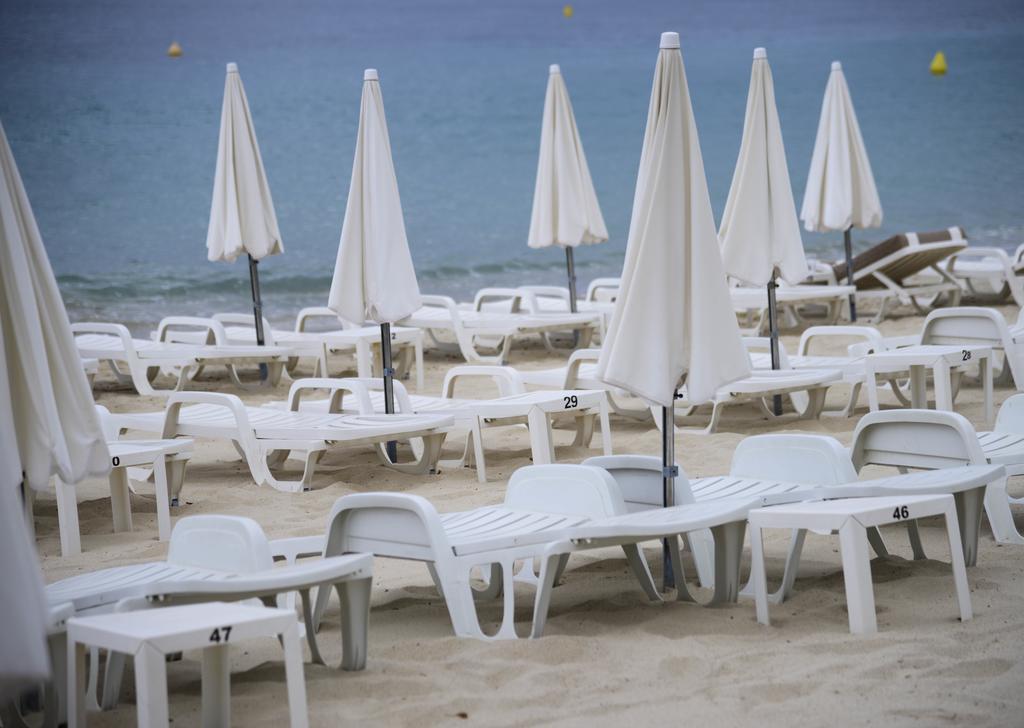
pixel 116 141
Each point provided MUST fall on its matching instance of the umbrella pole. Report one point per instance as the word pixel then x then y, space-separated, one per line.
pixel 257 309
pixel 848 244
pixel 773 337
pixel 669 471
pixel 570 265
pixel 389 384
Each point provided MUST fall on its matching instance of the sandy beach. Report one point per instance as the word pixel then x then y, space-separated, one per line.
pixel 608 655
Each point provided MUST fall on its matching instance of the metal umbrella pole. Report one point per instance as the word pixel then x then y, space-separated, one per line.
pixel 669 472
pixel 773 337
pixel 849 271
pixel 257 310
pixel 389 384
pixel 570 265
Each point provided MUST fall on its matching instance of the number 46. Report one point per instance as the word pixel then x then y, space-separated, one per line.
pixel 900 513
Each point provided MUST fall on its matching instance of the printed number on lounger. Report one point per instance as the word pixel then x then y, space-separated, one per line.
pixel 220 634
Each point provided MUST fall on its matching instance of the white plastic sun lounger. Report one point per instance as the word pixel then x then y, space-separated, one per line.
pixel 751 303
pixel 363 341
pixel 514 407
pixel 581 373
pixel 145 359
pixel 990 272
pixel 222 558
pixel 550 511
pixel 471 330
pixel 264 436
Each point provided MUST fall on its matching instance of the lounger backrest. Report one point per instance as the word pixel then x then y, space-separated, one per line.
pixel 640 481
pixel 1011 416
pixel 603 289
pixel 570 490
pixel 399 525
pixel 815 460
pixel 966 325
pixel 223 543
pixel 916 252
pixel 920 439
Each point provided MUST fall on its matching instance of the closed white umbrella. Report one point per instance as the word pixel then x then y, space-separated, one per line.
pixel 760 233
pixel 374 278
pixel 673 321
pixel 565 209
pixel 840 192
pixel 242 218
pixel 48 424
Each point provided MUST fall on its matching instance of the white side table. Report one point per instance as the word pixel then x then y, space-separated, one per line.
pixel 851 517
pixel 942 360
pixel 150 635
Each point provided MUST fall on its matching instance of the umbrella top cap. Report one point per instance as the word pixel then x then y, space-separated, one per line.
pixel 553 69
pixel 760 53
pixel 232 68
pixel 837 66
pixel 669 40
pixel 370 74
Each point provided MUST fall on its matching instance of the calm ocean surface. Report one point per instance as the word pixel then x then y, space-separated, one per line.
pixel 116 142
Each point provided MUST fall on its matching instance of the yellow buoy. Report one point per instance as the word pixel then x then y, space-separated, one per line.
pixel 938 67
pixel 174 50
pixel 567 11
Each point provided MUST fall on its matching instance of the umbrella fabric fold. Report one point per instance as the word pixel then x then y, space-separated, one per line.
pixel 760 232
pixel 565 208
pixel 242 218
pixel 673 318
pixel 48 424
pixel 840 191
pixel 374 278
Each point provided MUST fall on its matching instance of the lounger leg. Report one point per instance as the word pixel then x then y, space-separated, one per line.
pixel 969 506
pixel 216 687
pixel 638 565
pixel 541 445
pixel 728 553
pixel 860 595
pixel 914 537
pixel 354 596
pixel 542 599
pixel 120 500
pixel 919 388
pixel 163 498
pixel 943 387
pixel 789 572
pixel 312 617
pixel 113 674
pixel 67 519
pixel 606 429
pixel 494 580
pixel 676 562
pixel 702 549
pixel 877 544
pixel 295 678
pixel 151 688
pixel 758 579
pixel 584 430
pixel 963 592
pixel 1000 517
pixel 476 435
pixel 75 689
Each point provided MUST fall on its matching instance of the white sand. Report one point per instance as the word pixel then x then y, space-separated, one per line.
pixel 608 655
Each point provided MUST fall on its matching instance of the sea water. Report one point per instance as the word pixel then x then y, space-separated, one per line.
pixel 116 142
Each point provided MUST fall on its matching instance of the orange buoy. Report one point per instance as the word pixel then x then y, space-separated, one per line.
pixel 174 50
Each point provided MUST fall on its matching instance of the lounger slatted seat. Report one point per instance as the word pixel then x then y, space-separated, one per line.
pixel 265 436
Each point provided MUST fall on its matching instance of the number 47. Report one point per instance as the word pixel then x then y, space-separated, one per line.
pixel 220 634
pixel 900 513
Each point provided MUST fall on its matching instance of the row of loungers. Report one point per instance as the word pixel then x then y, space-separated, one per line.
pixel 549 513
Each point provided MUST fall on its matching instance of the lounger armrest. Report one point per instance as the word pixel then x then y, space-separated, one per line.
pixel 176 400
pixel 445 302
pixel 240 319
pixel 206 325
pixel 559 292
pixel 297 547
pixel 359 388
pixel 872 339
pixel 599 284
pixel 517 296
pixel 118 330
pixel 507 379
pixel 317 312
